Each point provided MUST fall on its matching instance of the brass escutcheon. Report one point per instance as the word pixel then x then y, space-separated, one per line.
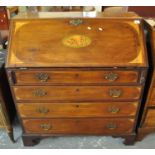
pixel 76 22
pixel 39 93
pixel 111 76
pixel 42 77
pixel 45 126
pixel 42 110
pixel 114 110
pixel 115 93
pixel 111 126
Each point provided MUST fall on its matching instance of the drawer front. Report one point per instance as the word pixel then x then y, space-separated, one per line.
pixel 76 93
pixel 75 77
pixel 104 109
pixel 150 118
pixel 79 126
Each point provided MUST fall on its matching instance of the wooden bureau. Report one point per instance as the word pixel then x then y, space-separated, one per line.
pixel 73 74
pixel 147 124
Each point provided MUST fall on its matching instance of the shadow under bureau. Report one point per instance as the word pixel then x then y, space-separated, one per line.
pixel 76 75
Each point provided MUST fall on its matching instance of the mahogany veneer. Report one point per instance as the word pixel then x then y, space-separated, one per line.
pixel 75 74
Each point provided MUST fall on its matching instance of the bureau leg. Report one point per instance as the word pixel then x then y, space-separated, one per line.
pixel 129 140
pixel 30 140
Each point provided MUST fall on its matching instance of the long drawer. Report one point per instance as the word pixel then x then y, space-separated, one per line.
pixel 74 77
pixel 76 93
pixel 79 126
pixel 53 110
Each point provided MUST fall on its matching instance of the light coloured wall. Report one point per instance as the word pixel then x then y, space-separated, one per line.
pixel 48 8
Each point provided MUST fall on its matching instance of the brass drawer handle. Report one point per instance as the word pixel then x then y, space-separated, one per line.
pixel 111 126
pixel 42 77
pixel 115 93
pixel 114 110
pixel 39 93
pixel 45 126
pixel 111 76
pixel 42 110
pixel 76 22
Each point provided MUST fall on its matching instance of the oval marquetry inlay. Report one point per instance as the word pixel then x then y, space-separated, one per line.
pixel 76 41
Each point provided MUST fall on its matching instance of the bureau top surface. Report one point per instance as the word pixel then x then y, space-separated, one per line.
pixel 76 42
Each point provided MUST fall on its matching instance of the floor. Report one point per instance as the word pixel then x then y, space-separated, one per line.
pixel 82 142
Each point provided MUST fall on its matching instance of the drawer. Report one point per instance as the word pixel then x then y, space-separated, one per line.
pixel 76 93
pixel 104 109
pixel 150 118
pixel 74 77
pixel 79 126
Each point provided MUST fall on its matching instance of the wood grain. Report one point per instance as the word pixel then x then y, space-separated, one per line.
pixel 79 126
pixel 77 74
pixel 150 118
pixel 56 110
pixel 75 93
pixel 75 77
pixel 47 49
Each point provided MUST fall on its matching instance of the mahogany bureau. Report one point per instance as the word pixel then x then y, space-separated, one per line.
pixel 147 124
pixel 72 74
